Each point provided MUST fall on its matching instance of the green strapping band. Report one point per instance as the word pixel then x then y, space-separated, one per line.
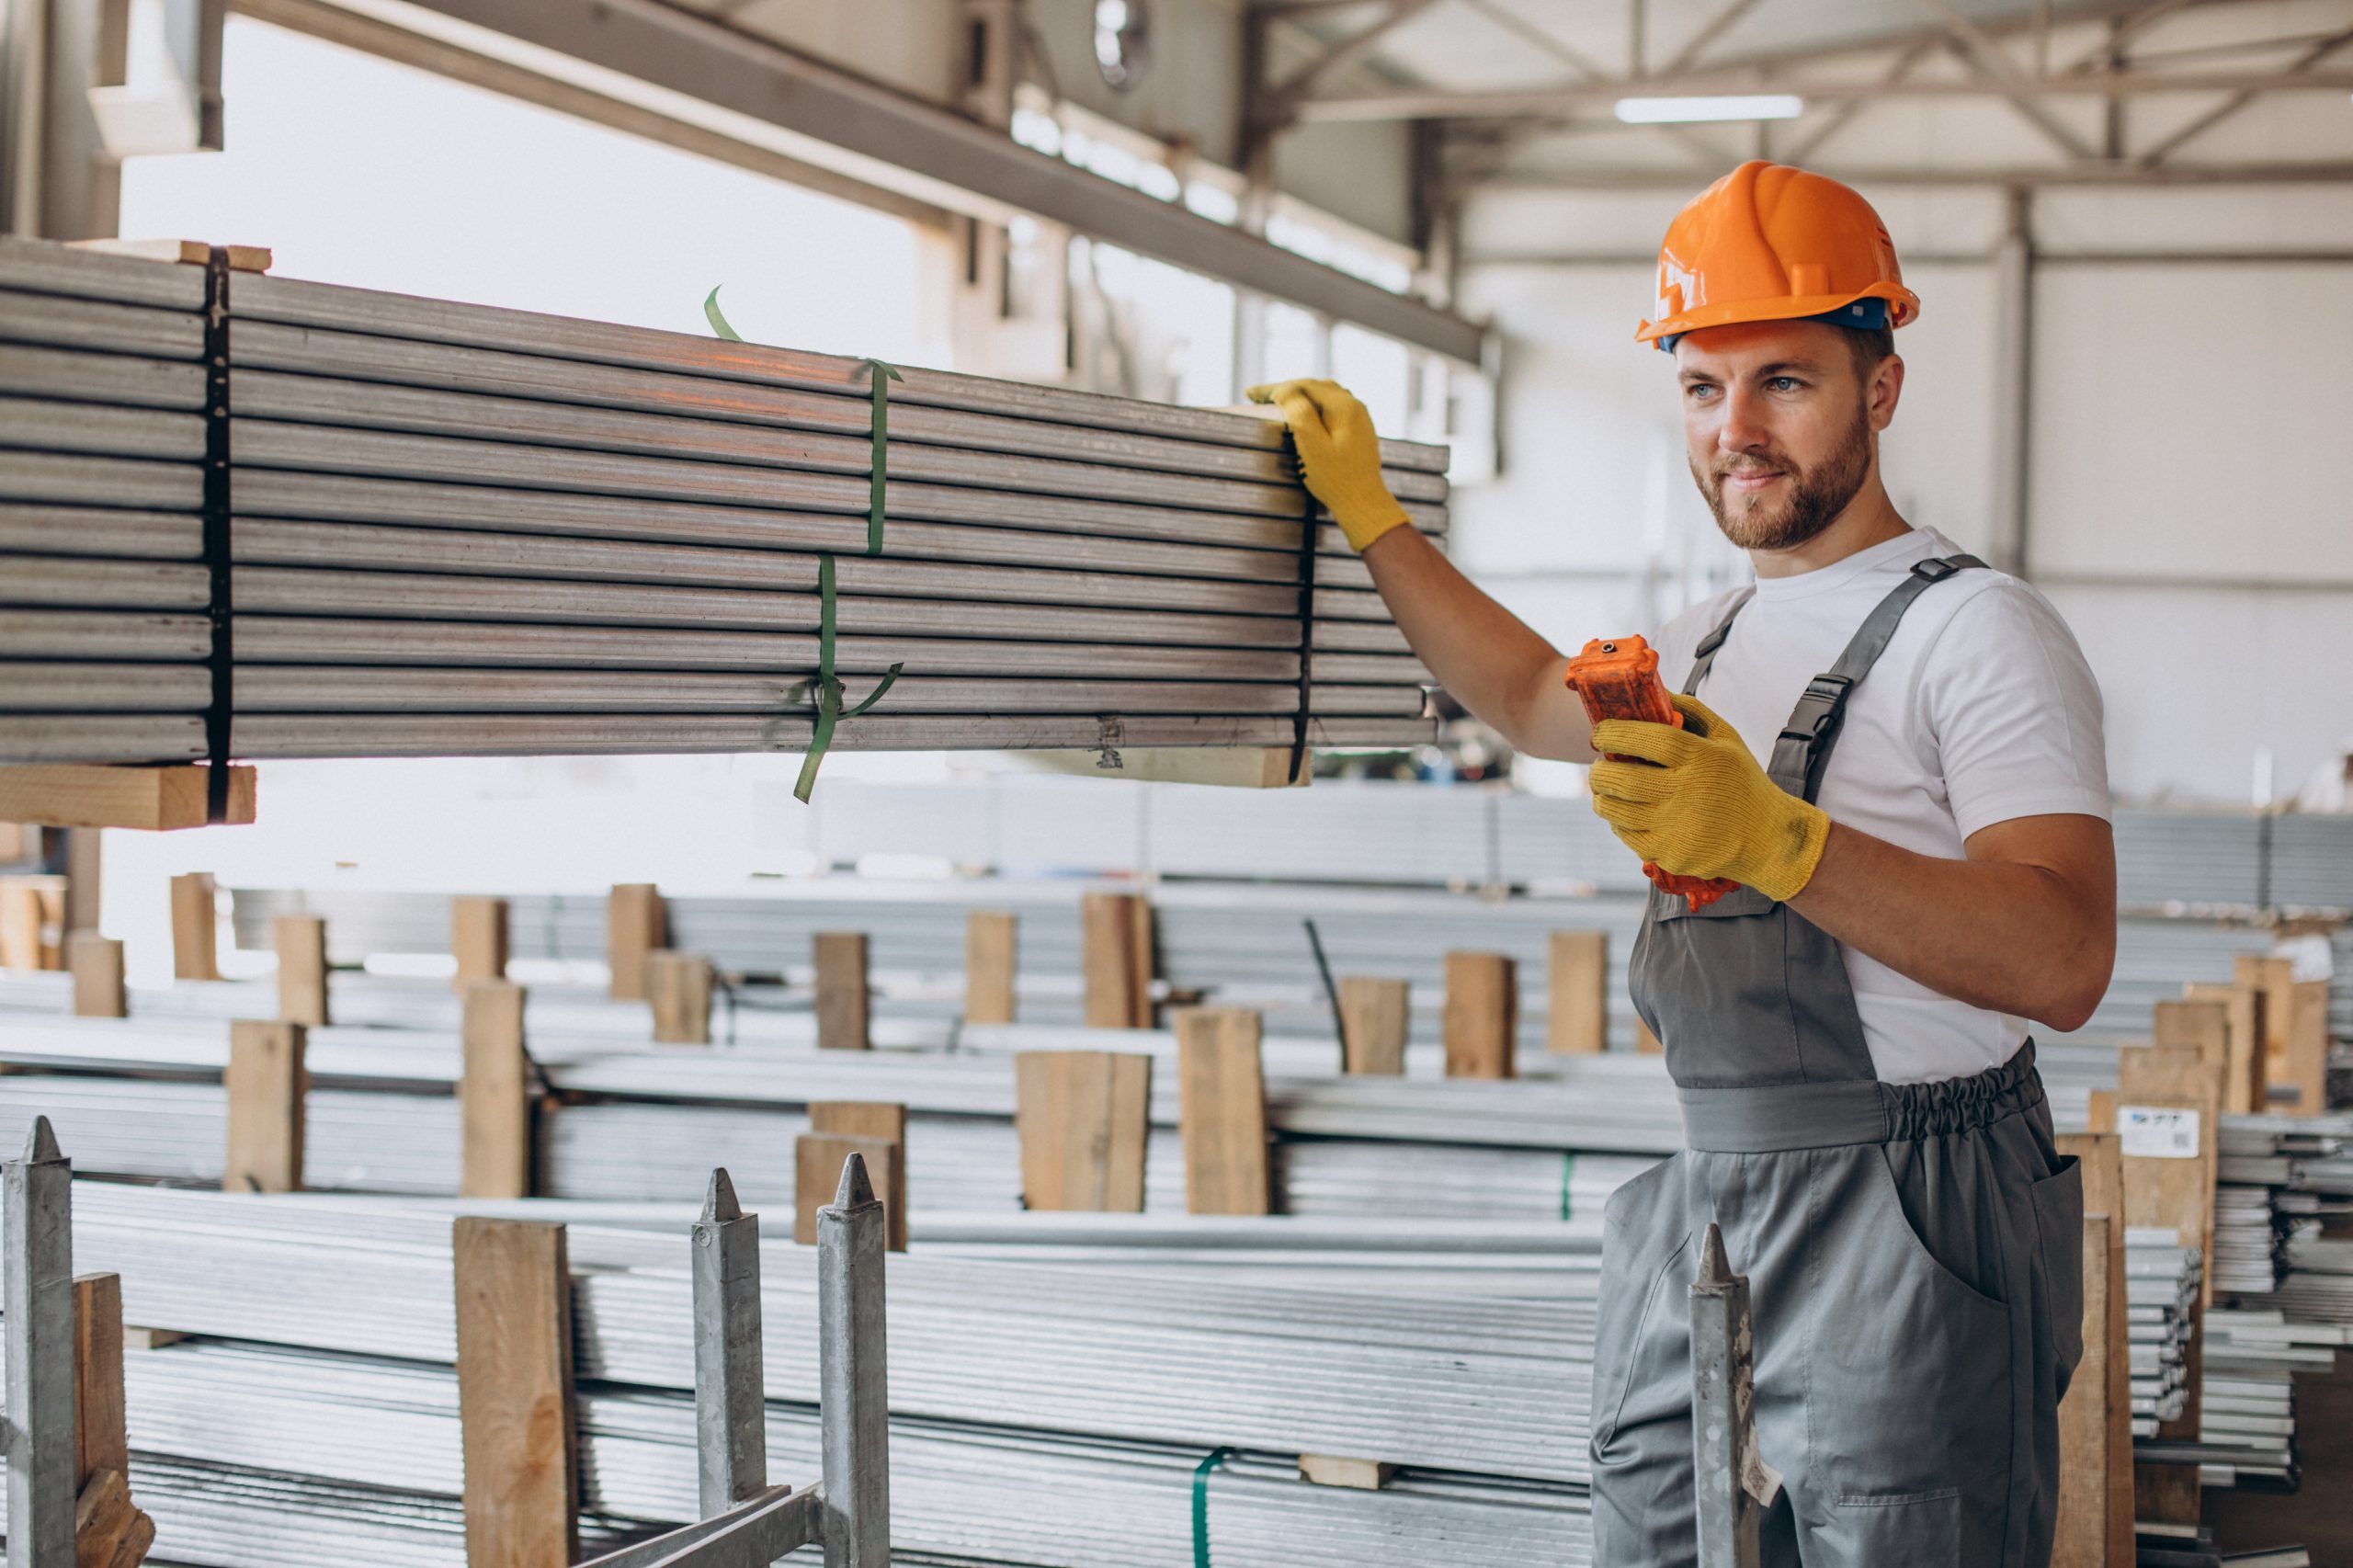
pixel 1201 1504
pixel 828 689
pixel 883 374
pixel 1568 1173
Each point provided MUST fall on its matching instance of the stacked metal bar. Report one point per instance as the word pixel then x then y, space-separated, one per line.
pixel 1066 1449
pixel 464 530
pixel 2252 1359
pixel 2162 1281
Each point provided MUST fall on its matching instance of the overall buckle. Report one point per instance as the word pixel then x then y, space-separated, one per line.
pixel 1817 710
pixel 1935 569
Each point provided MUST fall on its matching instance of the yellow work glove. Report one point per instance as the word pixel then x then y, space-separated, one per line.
pixel 1340 455
pixel 1698 804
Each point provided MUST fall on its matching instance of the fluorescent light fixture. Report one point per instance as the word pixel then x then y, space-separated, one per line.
pixel 1683 111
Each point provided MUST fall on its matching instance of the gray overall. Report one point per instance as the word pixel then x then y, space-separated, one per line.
pixel 1913 1250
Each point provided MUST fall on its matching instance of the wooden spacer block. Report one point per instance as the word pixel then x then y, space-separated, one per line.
pixel 100 1440
pixel 859 1119
pixel 97 963
pixel 267 1084
pixel 478 940
pixel 1222 1092
pixel 1374 1016
pixel 494 1093
pixel 514 1393
pixel 989 966
pixel 302 943
pixel 1362 1475
pixel 186 253
pixel 1084 1118
pixel 635 924
pixel 2085 1461
pixel 32 922
pixel 134 1338
pixel 103 1519
pixel 1482 1026
pixel 85 876
pixel 2274 977
pixel 843 996
pixel 817 1161
pixel 1115 933
pixel 18 842
pixel 89 795
pixel 2203 1025
pixel 1577 1023
pixel 194 923
pixel 2301 1086
pixel 678 986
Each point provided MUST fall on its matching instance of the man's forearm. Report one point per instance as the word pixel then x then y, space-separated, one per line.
pixel 2007 935
pixel 1485 656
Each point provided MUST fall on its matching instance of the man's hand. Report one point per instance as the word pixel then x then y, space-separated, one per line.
pixel 1697 803
pixel 1340 455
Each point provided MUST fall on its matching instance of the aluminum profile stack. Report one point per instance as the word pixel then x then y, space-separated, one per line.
pixel 2303 1164
pixel 1241 944
pixel 321 1372
pixel 2162 1280
pixel 458 530
pixel 2252 1359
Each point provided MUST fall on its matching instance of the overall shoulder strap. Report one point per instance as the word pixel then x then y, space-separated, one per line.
pixel 1803 749
pixel 1704 656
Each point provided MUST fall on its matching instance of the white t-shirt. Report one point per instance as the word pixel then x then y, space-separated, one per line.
pixel 1981 710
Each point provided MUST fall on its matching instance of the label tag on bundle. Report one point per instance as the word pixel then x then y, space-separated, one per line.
pixel 2158 1132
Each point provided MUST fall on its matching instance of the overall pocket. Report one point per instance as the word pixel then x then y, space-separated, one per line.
pixel 2059 1251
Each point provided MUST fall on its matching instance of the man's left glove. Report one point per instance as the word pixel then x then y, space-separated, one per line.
pixel 1706 809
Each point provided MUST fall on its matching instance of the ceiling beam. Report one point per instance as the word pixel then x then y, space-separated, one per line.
pixel 654 56
pixel 1569 100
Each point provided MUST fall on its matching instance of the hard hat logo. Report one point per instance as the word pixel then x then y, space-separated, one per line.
pixel 1770 243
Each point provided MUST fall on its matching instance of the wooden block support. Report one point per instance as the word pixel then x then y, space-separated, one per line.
pixel 18 842
pixel 193 923
pixel 844 997
pixel 2302 1075
pixel 267 1085
pixel 1222 1092
pixel 1481 1027
pixel 514 1396
pixel 97 963
pixel 2203 1024
pixel 85 878
pixel 1115 931
pixel 635 925
pixel 2245 1005
pixel 1578 984
pixel 879 1121
pixel 493 1093
pixel 158 798
pixel 32 922
pixel 2274 977
pixel 989 966
pixel 302 943
pixel 100 1441
pixel 678 986
pixel 2095 1420
pixel 1084 1118
pixel 1327 1470
pixel 478 940
pixel 817 1161
pixel 1375 1016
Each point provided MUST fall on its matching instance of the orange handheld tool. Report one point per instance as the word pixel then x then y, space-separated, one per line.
pixel 1619 679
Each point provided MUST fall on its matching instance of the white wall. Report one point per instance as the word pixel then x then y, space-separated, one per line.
pixel 2187 418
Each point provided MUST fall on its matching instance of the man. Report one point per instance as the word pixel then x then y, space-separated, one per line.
pixel 1927 864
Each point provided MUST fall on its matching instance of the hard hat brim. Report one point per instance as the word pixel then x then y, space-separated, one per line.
pixel 1903 307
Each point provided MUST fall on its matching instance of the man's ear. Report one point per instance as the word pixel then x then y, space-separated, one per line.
pixel 1882 391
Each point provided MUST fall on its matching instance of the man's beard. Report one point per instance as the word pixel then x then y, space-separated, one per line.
pixel 1816 496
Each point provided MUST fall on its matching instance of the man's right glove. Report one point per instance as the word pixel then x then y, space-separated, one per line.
pixel 1340 455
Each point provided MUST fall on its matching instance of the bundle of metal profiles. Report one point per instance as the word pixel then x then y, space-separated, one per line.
pixel 2248 1397
pixel 2162 1281
pixel 451 529
pixel 143 1098
pixel 1064 1449
pixel 1244 945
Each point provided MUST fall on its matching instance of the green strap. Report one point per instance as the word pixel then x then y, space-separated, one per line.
pixel 719 323
pixel 826 689
pixel 1201 1504
pixel 1568 1174
pixel 883 374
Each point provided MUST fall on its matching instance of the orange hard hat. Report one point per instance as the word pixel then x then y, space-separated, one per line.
pixel 1770 243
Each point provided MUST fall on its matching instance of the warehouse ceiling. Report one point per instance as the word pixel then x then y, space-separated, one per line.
pixel 1528 91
